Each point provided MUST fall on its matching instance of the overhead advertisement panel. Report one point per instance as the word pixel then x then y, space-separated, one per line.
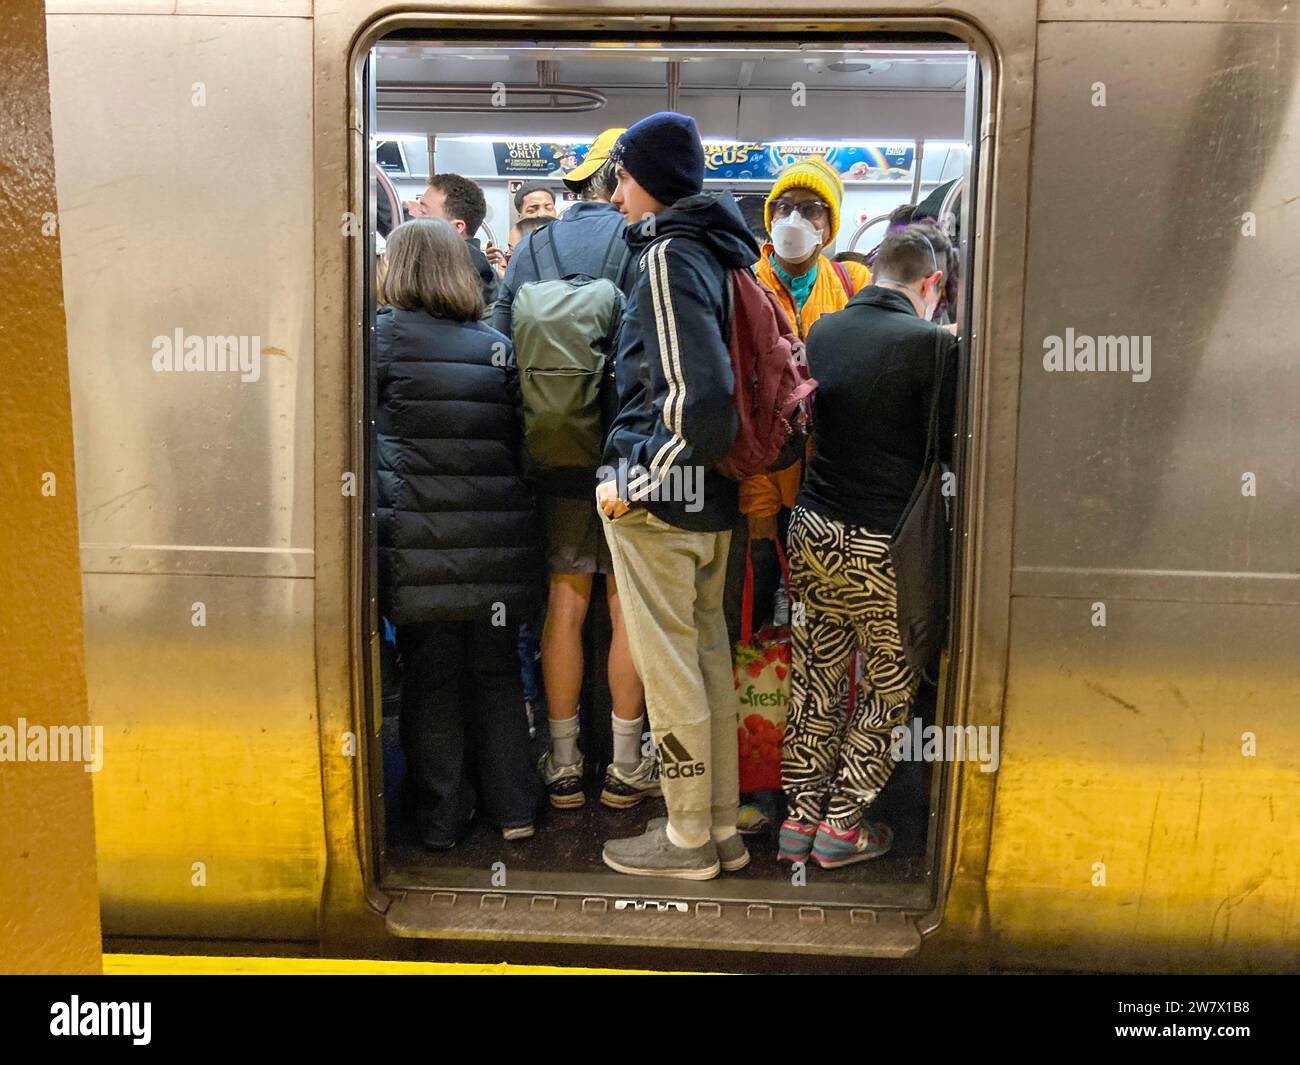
pixel 723 160
pixel 855 161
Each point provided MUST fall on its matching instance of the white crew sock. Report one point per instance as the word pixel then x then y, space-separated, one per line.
pixel 678 839
pixel 564 741
pixel 627 742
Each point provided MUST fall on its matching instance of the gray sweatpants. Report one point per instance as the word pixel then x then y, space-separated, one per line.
pixel 670 585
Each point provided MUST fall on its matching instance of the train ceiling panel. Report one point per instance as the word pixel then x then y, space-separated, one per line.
pixel 757 71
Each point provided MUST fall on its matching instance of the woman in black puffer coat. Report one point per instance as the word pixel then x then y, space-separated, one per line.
pixel 459 564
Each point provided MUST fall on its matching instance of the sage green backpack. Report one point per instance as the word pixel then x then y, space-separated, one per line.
pixel 564 328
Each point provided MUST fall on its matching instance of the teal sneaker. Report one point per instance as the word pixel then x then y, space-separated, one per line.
pixel 795 841
pixel 833 849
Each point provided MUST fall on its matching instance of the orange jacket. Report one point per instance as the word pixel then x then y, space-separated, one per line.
pixel 827 293
pixel 764 494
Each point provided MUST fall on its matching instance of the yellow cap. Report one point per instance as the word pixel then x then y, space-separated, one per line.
pixel 596 157
pixel 813 173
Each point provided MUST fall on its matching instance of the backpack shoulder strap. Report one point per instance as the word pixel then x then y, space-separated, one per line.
pixel 615 275
pixel 530 240
pixel 729 281
pixel 555 252
pixel 843 275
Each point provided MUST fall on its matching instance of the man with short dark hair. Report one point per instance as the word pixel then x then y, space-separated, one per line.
pixel 533 199
pixel 461 202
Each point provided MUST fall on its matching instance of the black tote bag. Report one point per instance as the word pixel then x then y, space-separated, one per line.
pixel 919 551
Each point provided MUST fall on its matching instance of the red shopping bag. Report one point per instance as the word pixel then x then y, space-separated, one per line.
pixel 761 668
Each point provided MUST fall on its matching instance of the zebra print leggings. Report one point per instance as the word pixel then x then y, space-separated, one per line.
pixel 842 598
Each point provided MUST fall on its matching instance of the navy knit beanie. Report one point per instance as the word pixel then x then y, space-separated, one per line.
pixel 663 152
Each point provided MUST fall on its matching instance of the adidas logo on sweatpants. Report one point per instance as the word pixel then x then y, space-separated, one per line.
pixel 676 760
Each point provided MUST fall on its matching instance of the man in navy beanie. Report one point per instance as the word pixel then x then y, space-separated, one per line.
pixel 664 154
pixel 667 512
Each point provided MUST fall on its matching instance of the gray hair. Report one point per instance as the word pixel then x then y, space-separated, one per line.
pixel 601 184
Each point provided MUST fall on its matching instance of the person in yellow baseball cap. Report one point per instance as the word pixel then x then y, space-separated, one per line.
pixel 596 157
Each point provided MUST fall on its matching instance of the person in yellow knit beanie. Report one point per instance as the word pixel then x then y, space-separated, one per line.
pixel 803 216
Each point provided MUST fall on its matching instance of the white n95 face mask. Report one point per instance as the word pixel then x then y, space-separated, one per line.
pixel 795 238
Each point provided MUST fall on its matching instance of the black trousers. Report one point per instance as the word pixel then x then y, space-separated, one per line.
pixel 463 727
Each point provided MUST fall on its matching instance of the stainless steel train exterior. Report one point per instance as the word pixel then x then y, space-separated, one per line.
pixel 1130 597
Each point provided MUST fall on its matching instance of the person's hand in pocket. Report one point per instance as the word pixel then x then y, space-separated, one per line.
pixel 607 500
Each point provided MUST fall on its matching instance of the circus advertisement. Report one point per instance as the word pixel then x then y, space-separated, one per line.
pixel 762 161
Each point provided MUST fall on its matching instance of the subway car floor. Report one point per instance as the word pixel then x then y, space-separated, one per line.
pixel 564 855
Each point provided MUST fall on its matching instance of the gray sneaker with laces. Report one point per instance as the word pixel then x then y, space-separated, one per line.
pixel 653 854
pixel 563 782
pixel 733 855
pixel 624 788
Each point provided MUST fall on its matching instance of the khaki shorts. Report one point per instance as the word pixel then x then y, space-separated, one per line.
pixel 575 538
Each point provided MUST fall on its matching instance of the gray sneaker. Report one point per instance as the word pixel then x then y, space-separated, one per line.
pixel 733 855
pixel 624 789
pixel 653 854
pixel 563 782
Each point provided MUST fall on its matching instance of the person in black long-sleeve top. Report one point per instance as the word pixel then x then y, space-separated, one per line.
pixel 876 363
pixel 459 565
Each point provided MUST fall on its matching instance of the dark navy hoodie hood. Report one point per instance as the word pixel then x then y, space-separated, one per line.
pixel 712 218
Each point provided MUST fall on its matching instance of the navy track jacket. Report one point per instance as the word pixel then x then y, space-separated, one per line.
pixel 677 416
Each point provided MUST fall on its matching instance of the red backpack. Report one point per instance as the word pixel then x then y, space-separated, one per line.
pixel 774 392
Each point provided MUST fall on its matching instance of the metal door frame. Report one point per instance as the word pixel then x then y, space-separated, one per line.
pixel 1002 35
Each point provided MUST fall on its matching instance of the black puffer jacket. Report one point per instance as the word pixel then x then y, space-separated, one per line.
pixel 457 529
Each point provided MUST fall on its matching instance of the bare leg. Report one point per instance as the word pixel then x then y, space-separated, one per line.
pixel 562 661
pixel 625 688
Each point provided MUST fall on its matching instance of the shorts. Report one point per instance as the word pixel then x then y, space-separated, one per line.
pixel 575 538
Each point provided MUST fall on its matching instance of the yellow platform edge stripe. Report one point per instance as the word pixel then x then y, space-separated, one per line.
pixel 197 965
